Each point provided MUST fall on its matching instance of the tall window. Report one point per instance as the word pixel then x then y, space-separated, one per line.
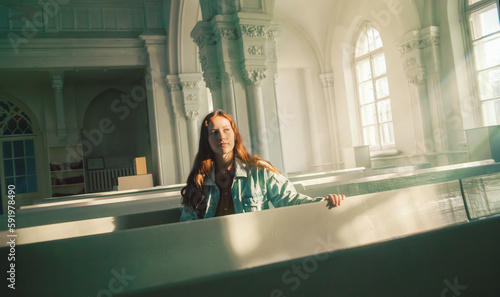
pixel 484 32
pixel 17 149
pixel 373 90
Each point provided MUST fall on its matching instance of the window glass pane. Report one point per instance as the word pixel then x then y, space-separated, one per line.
pixel 366 92
pixel 30 147
pixel 7 149
pixel 32 185
pixel 491 112
pixel 489 84
pixel 30 162
pixel 370 135
pixel 384 111
pixel 386 134
pixel 363 70
pixel 362 44
pixel 9 181
pixel 18 148
pixel 487 52
pixel 382 87
pixel 368 115
pixel 20 166
pixel 8 167
pixel 21 184
pixel 484 21
pixel 379 67
pixel 374 39
pixel 473 1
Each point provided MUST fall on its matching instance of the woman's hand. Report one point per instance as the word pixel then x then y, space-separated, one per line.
pixel 333 200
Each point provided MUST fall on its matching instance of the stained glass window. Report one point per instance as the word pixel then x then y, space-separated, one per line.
pixel 13 121
pixel 17 150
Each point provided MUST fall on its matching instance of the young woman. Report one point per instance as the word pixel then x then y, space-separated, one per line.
pixel 226 179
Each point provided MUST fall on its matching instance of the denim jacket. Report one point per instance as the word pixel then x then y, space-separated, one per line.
pixel 253 189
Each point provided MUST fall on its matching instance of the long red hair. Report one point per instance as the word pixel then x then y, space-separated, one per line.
pixel 193 194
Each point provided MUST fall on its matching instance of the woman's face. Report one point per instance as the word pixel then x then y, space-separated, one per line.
pixel 221 137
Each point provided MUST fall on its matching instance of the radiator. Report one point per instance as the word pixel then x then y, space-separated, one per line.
pixel 104 180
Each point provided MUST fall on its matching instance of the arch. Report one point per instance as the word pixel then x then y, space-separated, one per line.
pixel 111 119
pixel 11 107
pixel 188 59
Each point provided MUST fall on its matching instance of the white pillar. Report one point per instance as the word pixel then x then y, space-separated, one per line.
pixel 191 89
pixel 253 79
pixel 328 93
pixel 57 84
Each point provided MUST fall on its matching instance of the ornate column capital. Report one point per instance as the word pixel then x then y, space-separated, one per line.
pixel 173 83
pixel 212 80
pixel 418 79
pixel 326 80
pixel 254 76
pixel 57 81
pixel 191 87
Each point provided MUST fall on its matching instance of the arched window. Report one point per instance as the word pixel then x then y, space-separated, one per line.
pixel 373 89
pixel 484 37
pixel 17 149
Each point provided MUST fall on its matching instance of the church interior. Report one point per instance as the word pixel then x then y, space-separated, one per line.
pixel 393 103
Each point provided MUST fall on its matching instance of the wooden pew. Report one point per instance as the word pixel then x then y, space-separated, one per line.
pixel 150 261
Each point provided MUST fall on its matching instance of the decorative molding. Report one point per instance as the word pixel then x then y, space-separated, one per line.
pixel 254 76
pixel 190 84
pixel 411 61
pixel 228 34
pixel 191 98
pixel 174 86
pixel 203 61
pixel 272 35
pixel 326 81
pixel 57 81
pixel 255 50
pixel 253 31
pixel 205 39
pixel 418 79
pixel 419 44
pixel 192 114
pixel 212 80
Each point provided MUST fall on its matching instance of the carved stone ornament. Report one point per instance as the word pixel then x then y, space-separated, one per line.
pixel 228 34
pixel 57 82
pixel 190 84
pixel 253 31
pixel 272 35
pixel 205 39
pixel 418 79
pixel 192 114
pixel 255 50
pixel 254 76
pixel 176 86
pixel 213 81
pixel 191 98
pixel 411 61
pixel 419 44
pixel 327 82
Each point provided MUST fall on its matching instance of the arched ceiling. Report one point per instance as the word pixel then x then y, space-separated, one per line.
pixel 314 18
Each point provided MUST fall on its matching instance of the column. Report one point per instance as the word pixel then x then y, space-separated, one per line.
pixel 329 95
pixel 255 102
pixel 238 56
pixel 57 85
pixel 159 116
pixel 416 51
pixel 191 88
pixel 175 88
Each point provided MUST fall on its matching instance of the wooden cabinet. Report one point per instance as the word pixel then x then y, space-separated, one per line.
pixel 67 174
